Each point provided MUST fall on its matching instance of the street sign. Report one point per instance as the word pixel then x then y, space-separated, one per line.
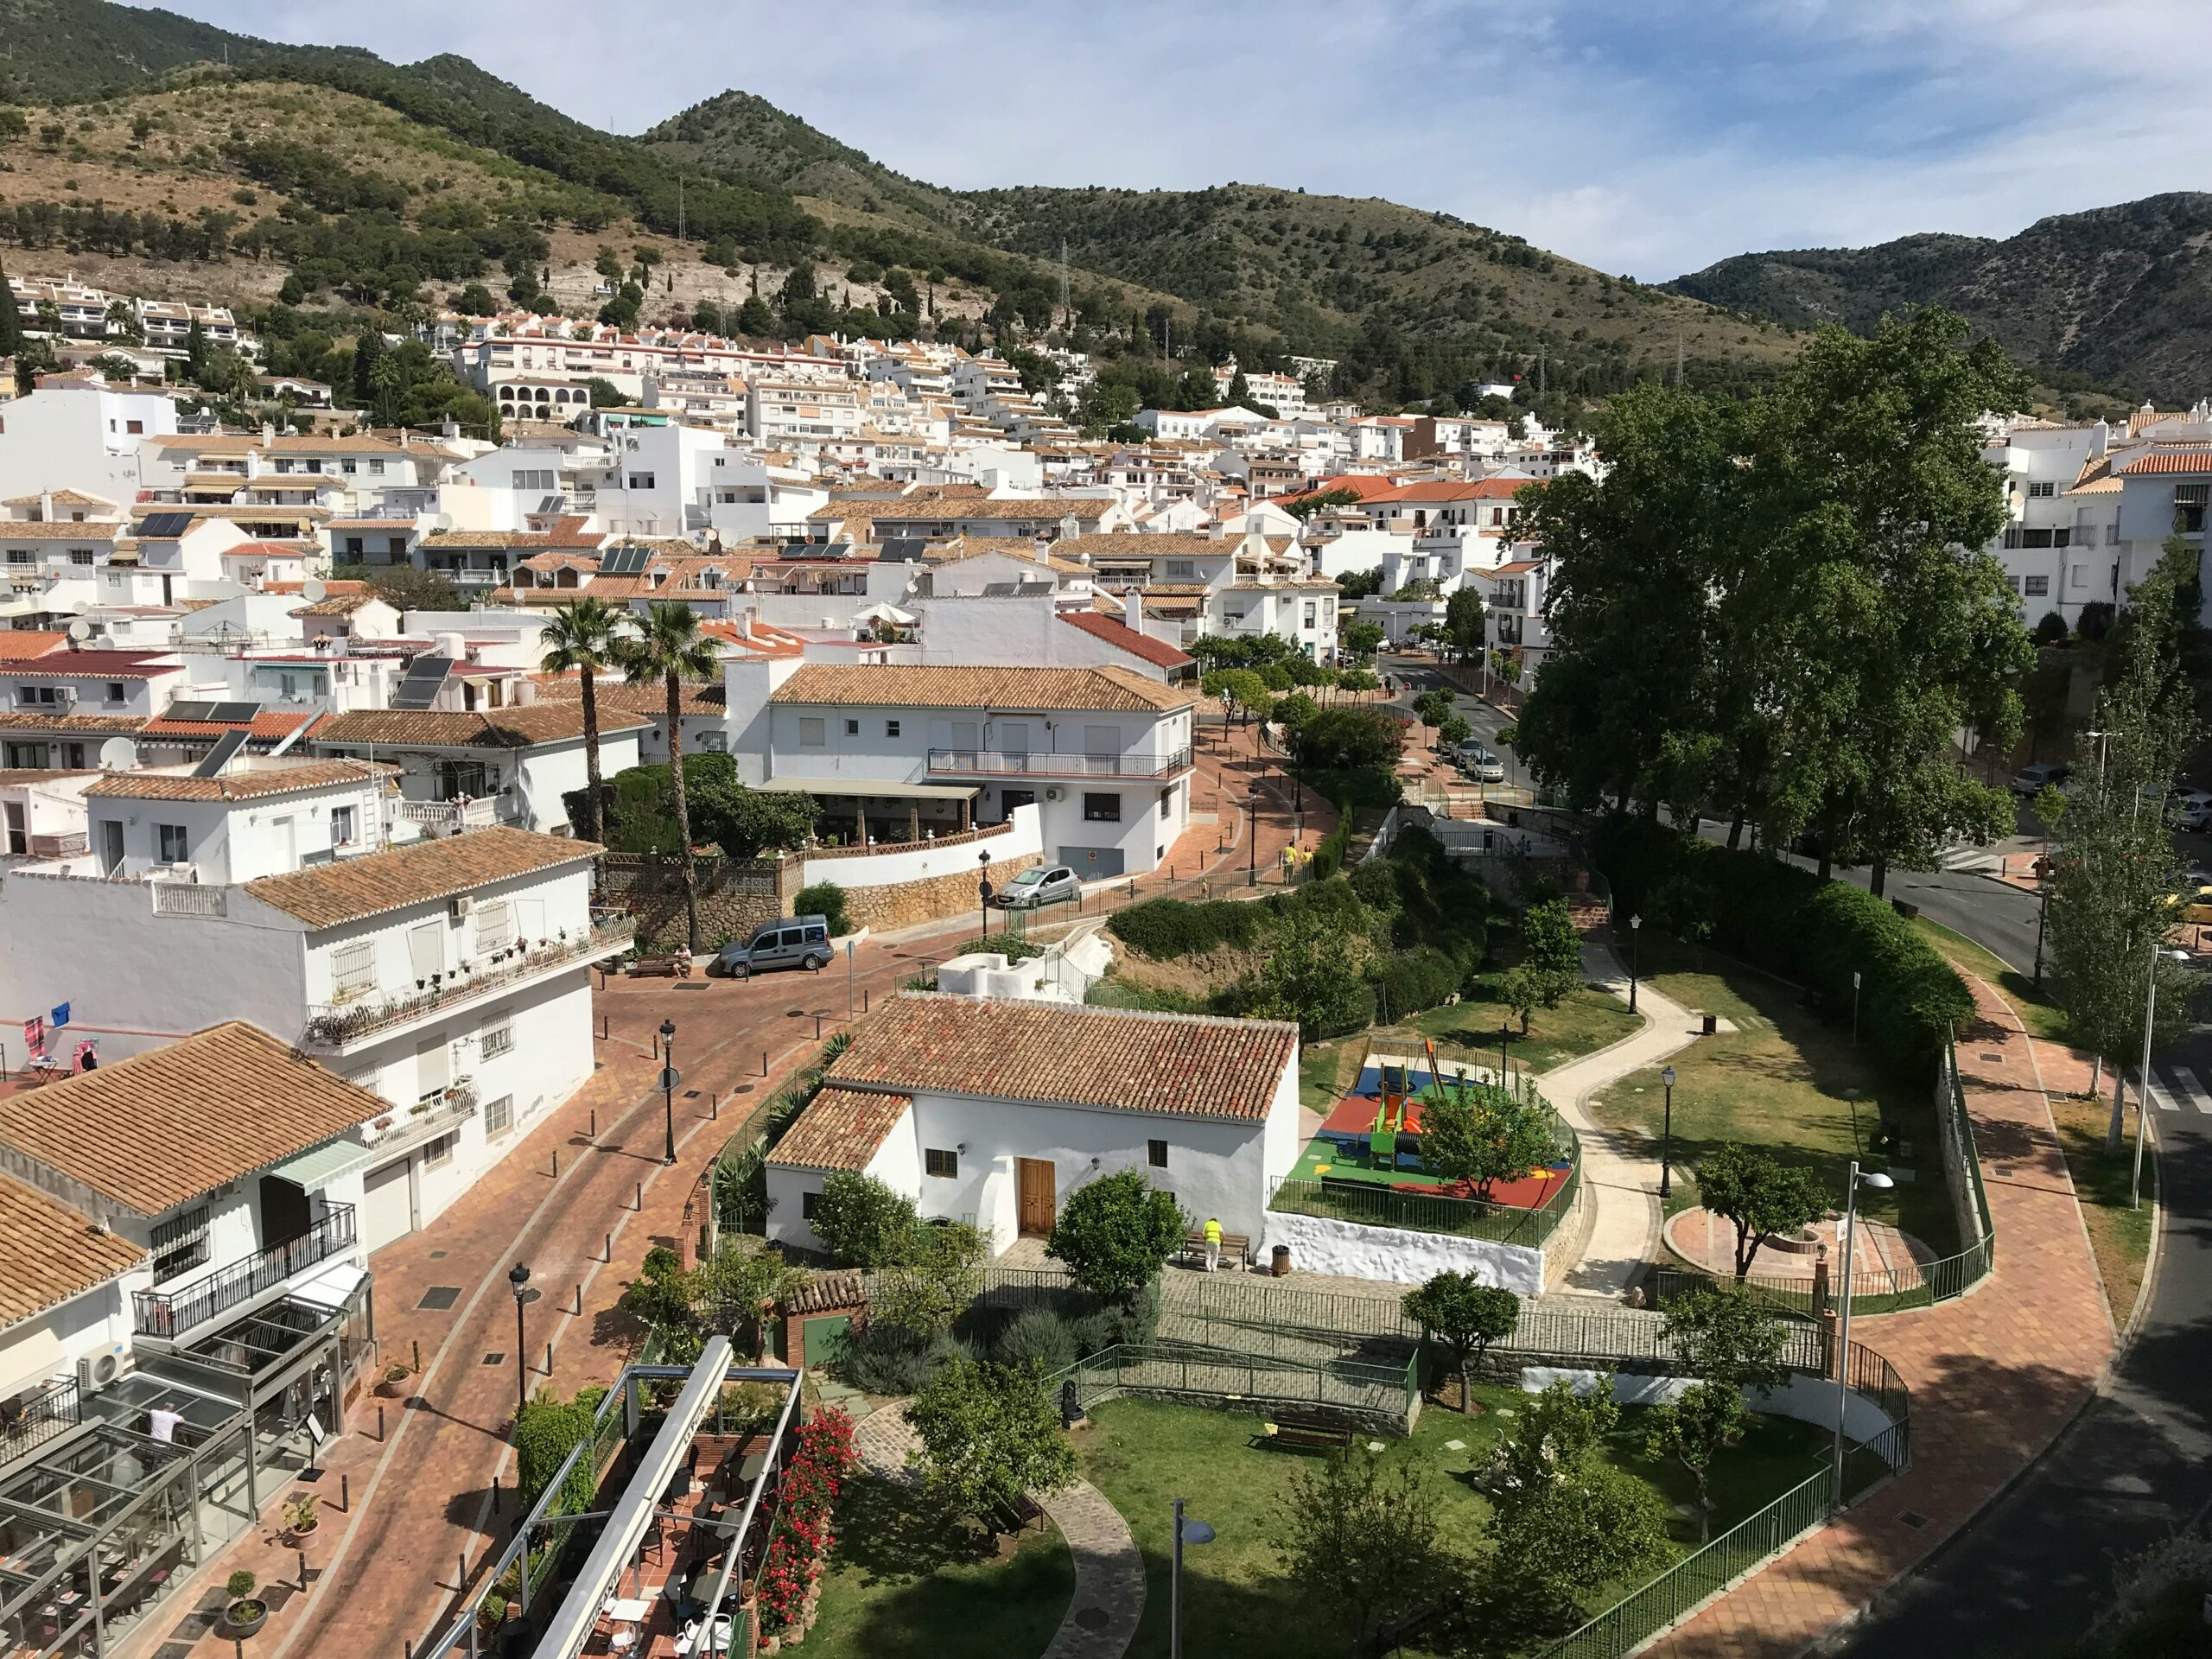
pixel 669 1076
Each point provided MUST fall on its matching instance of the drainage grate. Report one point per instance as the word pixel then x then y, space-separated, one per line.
pixel 495 1359
pixel 1093 1618
pixel 437 1255
pixel 1993 1057
pixel 1914 1519
pixel 438 1298
pixel 690 1094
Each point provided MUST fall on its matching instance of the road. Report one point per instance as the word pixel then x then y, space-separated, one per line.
pixel 2024 1580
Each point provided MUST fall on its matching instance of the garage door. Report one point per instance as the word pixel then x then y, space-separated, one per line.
pixel 1089 863
pixel 387 1206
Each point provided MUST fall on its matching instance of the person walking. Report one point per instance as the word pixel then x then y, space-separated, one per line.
pixel 1213 1243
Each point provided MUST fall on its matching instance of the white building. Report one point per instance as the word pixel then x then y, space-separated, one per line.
pixel 999 1110
pixel 497 766
pixel 75 432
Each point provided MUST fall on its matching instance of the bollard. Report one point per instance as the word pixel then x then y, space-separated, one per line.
pixel 303 1571
pixel 764 1062
pixel 418 1347
pixel 549 1359
pixel 641 1197
pixel 345 1492
pixel 603 1028
pixel 594 1123
pixel 460 1579
pixel 556 1163
pixel 863 999
pixel 609 1253
pixel 817 1027
pixel 580 1296
pixel 656 1042
pixel 380 1425
pixel 495 1493
pixel 713 1109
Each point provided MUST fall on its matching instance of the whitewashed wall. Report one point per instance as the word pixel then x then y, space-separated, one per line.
pixel 1400 1255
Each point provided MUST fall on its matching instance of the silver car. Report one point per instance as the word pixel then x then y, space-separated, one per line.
pixel 1048 885
pixel 792 942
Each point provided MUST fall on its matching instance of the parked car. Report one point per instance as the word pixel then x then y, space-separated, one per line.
pixel 2192 808
pixel 2030 781
pixel 789 941
pixel 1479 764
pixel 1046 884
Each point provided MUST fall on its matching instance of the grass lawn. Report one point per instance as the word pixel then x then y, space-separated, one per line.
pixel 1584 1021
pixel 1779 1081
pixel 1327 1071
pixel 900 1584
pixel 1238 1601
pixel 2044 1019
pixel 2119 1236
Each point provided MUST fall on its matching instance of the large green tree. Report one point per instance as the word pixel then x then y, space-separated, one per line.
pixel 989 1434
pixel 1467 1316
pixel 580 639
pixel 668 651
pixel 1114 1234
pixel 1763 1196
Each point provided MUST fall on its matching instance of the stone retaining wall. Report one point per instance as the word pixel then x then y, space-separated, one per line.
pixel 906 903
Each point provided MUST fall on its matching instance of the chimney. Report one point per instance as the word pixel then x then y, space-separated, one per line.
pixel 268 432
pixel 1133 609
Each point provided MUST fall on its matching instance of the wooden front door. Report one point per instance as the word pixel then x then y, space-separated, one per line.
pixel 1039 1200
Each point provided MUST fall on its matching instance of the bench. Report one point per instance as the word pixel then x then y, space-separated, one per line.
pixel 658 967
pixel 1309 1433
pixel 1234 1247
pixel 1018 1513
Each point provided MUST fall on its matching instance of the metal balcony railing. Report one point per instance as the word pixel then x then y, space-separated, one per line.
pixel 1034 764
pixel 335 1025
pixel 171 1313
pixel 30 1422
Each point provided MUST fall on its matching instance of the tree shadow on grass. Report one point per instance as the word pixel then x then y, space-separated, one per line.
pixel 891 1534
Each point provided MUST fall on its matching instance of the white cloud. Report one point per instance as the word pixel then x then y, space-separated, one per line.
pixel 1645 136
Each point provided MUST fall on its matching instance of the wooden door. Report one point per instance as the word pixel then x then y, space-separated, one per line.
pixel 1039 1200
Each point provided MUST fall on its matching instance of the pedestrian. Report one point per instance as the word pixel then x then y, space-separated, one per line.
pixel 1213 1243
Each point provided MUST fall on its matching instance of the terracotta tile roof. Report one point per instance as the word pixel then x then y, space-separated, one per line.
pixel 651 702
pixel 549 722
pixel 1122 637
pixel 60 498
pixel 1188 1065
pixel 2183 461
pixel 164 1128
pixel 891 685
pixel 98 665
pixel 327 895
pixel 51 1252
pixel 267 726
pixel 13 721
pixel 240 443
pixel 18 643
pixel 1110 546
pixel 826 1291
pixel 56 529
pixel 250 784
pixel 841 1128
pixel 334 605
pixel 473 538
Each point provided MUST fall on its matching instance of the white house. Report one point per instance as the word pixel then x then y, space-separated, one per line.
pixel 75 431
pixel 499 765
pixel 1105 753
pixel 1000 1109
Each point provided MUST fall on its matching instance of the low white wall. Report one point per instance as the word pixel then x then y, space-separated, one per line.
pixel 1808 1399
pixel 1400 1255
pixel 1017 840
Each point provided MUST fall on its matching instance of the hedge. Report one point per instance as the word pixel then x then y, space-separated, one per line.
pixel 1417 979
pixel 1329 857
pixel 1164 929
pixel 1794 925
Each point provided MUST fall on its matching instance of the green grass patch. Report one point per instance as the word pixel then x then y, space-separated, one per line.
pixel 1145 1454
pixel 1585 1021
pixel 1327 1071
pixel 900 1584
pixel 2044 1019
pixel 1785 1081
pixel 2120 1235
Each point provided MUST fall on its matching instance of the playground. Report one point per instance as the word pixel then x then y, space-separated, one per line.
pixel 1372 1136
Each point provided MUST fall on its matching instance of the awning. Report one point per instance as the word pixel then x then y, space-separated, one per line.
pixel 317 1167
pixel 881 789
pixel 332 1286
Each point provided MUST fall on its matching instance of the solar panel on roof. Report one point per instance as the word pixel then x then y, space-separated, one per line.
pixel 218 757
pixel 235 713
pixel 181 710
pixel 625 561
pixel 418 689
pixel 165 523
pixel 901 549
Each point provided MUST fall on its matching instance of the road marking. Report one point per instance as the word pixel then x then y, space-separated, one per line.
pixel 2160 1097
pixel 2191 1090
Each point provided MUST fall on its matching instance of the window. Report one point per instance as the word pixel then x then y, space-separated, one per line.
pixel 40 694
pixel 2042 489
pixel 852 728
pixel 891 728
pixel 21 555
pixel 641 481
pixel 807 1201
pixel 1167 803
pixel 80 556
pixel 134 426
pixel 812 733
pixel 1155 1154
pixel 2080 575
pixel 938 1160
pixel 2038 586
pixel 495 924
pixel 500 1040
pixel 115 692
pixel 172 845
pixel 353 970
pixel 440 1150
pixel 1102 809
pixel 180 1244
pixel 498 1116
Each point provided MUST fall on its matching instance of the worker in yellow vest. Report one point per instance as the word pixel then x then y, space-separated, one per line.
pixel 1213 1243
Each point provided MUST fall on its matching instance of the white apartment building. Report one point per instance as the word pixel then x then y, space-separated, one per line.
pixel 75 432
pixel 799 412
pixel 499 766
pixel 1103 753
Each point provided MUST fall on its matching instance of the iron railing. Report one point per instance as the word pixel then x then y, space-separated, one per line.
pixel 335 1025
pixel 170 1312
pixel 1186 1370
pixel 1031 763
pixel 28 1422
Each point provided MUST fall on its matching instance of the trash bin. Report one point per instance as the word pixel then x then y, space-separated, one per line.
pixel 1279 1261
pixel 1711 1024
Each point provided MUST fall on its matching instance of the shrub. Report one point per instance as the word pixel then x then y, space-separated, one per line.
pixel 1329 857
pixel 885 1358
pixel 1165 928
pixel 1330 904
pixel 548 1430
pixel 1038 1334
pixel 1420 978
pixel 1114 1234
pixel 826 898
pixel 862 1222
pixel 2051 630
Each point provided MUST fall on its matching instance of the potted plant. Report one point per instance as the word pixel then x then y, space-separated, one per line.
pixel 244 1612
pixel 393 1382
pixel 492 1613
pixel 300 1518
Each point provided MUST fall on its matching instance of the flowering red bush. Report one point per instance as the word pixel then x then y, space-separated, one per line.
pixel 806 1495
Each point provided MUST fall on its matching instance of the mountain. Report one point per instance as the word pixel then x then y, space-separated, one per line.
pixel 2119 296
pixel 72 51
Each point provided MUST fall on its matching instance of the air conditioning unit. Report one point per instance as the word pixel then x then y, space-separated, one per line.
pixel 462 904
pixel 100 1370
pixel 1054 793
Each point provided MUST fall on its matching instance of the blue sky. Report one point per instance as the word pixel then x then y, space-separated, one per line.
pixel 1649 136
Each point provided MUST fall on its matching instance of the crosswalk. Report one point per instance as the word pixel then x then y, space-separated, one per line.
pixel 2178 1089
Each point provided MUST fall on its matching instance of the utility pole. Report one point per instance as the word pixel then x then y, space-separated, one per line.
pixel 679 223
pixel 1678 360
pixel 1067 311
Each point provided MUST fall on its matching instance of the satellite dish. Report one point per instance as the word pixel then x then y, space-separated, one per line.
pixel 118 754
pixel 313 591
pixel 80 629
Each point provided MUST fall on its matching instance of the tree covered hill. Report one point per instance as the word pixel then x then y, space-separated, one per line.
pixel 2119 297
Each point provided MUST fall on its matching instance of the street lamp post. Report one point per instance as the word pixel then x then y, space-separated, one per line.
pixel 983 891
pixel 668 1086
pixel 1186 1532
pixel 849 979
pixel 1855 981
pixel 2143 1089
pixel 1634 956
pixel 1873 1178
pixel 1252 835
pixel 1666 1141
pixel 518 1281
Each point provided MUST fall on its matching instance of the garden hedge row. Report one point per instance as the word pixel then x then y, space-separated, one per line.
pixel 1791 923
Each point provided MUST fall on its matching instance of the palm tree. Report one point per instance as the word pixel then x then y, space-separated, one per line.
pixel 671 649
pixel 582 640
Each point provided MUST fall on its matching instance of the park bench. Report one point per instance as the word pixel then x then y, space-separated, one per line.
pixel 656 968
pixel 1234 1247
pixel 1309 1433
pixel 1018 1514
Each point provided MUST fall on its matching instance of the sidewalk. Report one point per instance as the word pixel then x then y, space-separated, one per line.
pixel 1994 1376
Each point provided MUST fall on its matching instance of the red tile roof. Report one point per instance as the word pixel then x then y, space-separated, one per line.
pixel 16 644
pixel 2187 460
pixel 841 1128
pixel 100 664
pixel 1122 637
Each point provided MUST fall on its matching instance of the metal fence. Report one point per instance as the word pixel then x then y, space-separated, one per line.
pixel 1387 1394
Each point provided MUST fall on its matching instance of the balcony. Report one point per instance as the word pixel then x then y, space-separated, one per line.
pixel 29 1422
pixel 1017 763
pixel 169 1313
pixel 335 1026
pixel 473 813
